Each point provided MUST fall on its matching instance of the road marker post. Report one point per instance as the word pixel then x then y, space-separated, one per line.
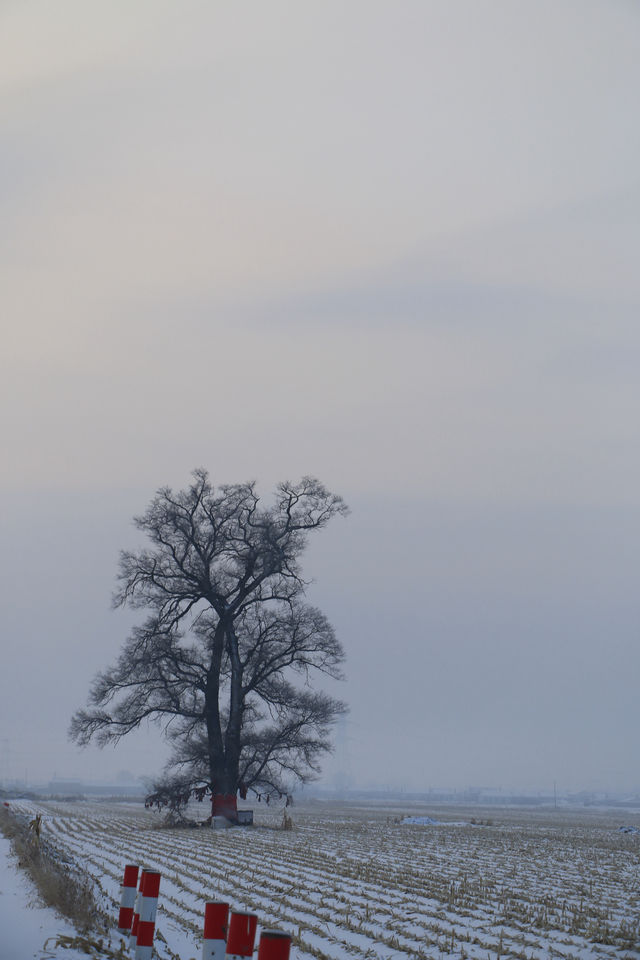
pixel 242 935
pixel 148 910
pixel 127 898
pixel 214 945
pixel 133 937
pixel 274 945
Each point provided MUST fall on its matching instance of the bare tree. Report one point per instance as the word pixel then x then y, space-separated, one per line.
pixel 225 657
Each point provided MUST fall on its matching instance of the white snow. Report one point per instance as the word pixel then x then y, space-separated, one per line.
pixel 425 821
pixel 346 882
pixel 25 925
pixel 430 822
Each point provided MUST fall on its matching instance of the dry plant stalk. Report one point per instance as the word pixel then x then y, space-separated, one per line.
pixel 61 888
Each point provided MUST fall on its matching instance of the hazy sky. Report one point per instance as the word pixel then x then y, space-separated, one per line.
pixel 392 244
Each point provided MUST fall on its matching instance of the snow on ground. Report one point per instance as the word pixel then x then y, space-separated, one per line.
pixel 357 882
pixel 423 821
pixel 27 929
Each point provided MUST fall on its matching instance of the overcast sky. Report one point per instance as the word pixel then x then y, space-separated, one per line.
pixel 391 244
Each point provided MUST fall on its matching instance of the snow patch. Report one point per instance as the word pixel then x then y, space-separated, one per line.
pixel 423 821
pixel 26 925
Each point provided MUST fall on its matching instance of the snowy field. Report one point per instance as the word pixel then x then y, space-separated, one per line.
pixel 27 928
pixel 358 882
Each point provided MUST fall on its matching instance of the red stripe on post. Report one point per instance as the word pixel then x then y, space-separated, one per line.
pixel 127 897
pixel 151 884
pixel 136 914
pixel 143 878
pixel 216 916
pixel 274 945
pixel 130 876
pixel 242 934
pixel 146 930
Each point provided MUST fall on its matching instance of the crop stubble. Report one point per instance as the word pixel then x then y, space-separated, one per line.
pixel 352 881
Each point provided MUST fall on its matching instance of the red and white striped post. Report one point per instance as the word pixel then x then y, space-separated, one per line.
pixel 214 945
pixel 133 938
pixel 127 898
pixel 274 945
pixel 242 935
pixel 148 910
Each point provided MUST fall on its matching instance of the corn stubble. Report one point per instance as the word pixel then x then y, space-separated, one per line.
pixel 355 881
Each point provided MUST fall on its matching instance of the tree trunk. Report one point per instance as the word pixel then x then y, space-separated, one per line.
pixel 225 801
pixel 236 709
pixel 225 805
pixel 223 783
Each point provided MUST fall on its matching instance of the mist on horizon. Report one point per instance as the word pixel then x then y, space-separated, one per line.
pixel 392 246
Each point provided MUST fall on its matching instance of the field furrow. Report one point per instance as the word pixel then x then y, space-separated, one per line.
pixel 361 883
